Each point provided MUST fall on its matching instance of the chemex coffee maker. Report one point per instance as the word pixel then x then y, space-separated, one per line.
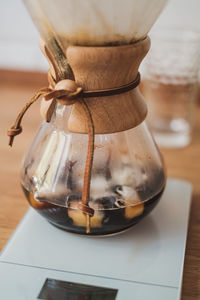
pixel 93 167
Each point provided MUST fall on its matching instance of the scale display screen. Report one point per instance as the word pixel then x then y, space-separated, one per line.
pixel 64 290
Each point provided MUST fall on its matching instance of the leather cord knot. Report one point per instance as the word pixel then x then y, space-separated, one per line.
pixel 86 209
pixel 64 94
pixel 65 91
pixel 14 131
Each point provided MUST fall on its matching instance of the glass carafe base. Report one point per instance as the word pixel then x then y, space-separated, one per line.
pixel 107 222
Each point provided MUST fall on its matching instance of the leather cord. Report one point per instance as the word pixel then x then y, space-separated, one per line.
pixel 94 93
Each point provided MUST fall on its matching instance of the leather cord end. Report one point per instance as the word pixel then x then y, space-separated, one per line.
pixel 86 209
pixel 12 132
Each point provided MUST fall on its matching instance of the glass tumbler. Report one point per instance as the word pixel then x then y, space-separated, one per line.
pixel 170 85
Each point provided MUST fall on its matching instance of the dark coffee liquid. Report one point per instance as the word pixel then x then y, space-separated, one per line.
pixel 107 221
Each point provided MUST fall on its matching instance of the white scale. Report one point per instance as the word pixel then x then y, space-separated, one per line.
pixel 144 263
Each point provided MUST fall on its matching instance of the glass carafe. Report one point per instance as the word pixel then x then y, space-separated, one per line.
pixel 128 177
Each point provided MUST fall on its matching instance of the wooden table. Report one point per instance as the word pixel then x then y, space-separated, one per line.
pixel 15 89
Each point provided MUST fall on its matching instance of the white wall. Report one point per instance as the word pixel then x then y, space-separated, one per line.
pixel 19 39
pixel 184 14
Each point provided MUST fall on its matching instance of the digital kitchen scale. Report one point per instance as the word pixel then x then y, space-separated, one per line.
pixel 144 263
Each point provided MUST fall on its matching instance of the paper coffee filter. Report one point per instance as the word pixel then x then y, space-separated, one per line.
pixel 94 22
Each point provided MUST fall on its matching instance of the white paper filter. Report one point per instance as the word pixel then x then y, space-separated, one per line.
pixel 94 22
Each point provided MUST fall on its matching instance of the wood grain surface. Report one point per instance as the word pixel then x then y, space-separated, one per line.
pixel 15 89
pixel 109 113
